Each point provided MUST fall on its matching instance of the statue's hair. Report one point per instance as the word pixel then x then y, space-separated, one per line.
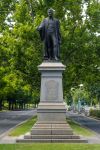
pixel 51 9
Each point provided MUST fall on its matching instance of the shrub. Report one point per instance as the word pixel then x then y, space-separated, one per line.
pixel 95 113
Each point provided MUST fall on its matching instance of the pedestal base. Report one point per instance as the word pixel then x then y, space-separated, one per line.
pixel 46 132
pixel 51 125
pixel 51 112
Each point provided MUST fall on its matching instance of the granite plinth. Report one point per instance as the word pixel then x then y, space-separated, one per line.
pixel 51 82
pixel 51 112
pixel 51 107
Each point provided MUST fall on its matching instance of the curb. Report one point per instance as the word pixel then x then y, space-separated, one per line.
pixel 85 126
pixel 6 133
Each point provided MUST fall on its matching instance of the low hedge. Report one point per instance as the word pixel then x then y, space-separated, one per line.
pixel 95 113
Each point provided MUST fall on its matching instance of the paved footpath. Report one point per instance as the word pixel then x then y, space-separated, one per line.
pixel 88 122
pixel 10 119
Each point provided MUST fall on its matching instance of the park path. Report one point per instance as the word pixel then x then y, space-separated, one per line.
pixel 10 119
pixel 88 122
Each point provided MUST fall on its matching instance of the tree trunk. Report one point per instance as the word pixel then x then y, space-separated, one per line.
pixel 9 105
pixel 91 102
pixel 12 107
pixel 0 104
pixel 99 102
pixel 15 105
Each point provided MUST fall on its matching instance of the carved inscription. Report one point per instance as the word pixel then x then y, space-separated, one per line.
pixel 51 90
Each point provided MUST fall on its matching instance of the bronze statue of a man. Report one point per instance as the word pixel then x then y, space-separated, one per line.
pixel 49 31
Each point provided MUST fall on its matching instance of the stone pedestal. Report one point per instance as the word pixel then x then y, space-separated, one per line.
pixel 51 125
pixel 51 107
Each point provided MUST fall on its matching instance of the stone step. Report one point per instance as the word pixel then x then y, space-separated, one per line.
pixel 52 132
pixel 51 137
pixel 60 125
pixel 51 122
pixel 52 125
pixel 42 125
pixel 52 128
pixel 51 141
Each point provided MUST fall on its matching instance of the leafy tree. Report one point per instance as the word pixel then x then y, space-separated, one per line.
pixel 80 94
pixel 21 48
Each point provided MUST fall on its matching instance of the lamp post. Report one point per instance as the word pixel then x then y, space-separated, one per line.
pixel 73 103
pixel 79 99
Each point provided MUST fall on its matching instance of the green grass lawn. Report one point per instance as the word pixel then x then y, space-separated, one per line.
pixel 50 147
pixel 23 128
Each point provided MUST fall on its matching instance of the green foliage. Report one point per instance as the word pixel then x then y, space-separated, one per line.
pixel 21 48
pixel 35 97
pixel 94 92
pixel 81 94
pixel 95 113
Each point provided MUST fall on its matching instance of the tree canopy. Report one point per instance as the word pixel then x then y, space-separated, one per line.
pixel 21 48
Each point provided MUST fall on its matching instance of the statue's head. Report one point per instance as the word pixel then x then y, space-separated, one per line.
pixel 50 12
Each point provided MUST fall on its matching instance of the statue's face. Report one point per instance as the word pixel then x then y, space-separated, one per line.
pixel 50 13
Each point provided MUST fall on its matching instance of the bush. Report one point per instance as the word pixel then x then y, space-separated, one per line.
pixel 95 113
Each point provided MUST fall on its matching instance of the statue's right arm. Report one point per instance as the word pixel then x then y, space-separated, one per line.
pixel 40 27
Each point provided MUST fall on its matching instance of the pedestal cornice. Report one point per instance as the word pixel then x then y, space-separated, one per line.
pixel 51 66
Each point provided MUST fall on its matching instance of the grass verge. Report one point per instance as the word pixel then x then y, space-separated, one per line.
pixel 78 129
pixel 50 147
pixel 26 127
pixel 23 128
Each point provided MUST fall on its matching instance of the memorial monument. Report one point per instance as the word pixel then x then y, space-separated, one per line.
pixel 49 31
pixel 51 125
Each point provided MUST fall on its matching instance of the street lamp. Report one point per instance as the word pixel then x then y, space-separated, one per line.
pixel 79 99
pixel 73 103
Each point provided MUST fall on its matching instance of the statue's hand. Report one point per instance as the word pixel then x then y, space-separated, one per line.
pixel 39 28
